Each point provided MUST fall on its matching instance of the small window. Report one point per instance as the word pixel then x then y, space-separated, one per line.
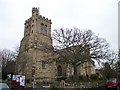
pixel 42 26
pixel 45 27
pixel 27 26
pixel 33 21
pixel 33 71
pixel 43 65
pixel 32 25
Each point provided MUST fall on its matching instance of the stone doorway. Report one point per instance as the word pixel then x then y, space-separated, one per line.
pixel 59 71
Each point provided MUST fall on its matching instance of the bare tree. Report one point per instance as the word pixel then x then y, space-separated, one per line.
pixel 7 55
pixel 0 58
pixel 117 64
pixel 16 49
pixel 7 58
pixel 76 46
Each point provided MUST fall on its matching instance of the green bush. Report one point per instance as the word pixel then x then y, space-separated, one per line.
pixel 94 77
pixel 4 75
pixel 55 87
pixel 70 79
pixel 83 78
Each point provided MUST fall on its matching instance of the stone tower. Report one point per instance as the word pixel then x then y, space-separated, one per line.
pixel 34 60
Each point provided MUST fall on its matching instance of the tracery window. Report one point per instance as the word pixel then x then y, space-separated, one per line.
pixel 59 68
pixel 43 27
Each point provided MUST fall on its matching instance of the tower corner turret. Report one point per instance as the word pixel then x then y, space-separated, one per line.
pixel 35 11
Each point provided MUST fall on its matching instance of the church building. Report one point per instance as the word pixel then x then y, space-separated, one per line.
pixel 37 63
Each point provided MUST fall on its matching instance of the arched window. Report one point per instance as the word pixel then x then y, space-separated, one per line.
pixel 45 27
pixel 59 69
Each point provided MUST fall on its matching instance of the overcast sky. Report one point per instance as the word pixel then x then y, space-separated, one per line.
pixel 101 16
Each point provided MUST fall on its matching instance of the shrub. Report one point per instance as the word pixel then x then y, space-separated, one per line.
pixel 83 78
pixel 4 75
pixel 70 78
pixel 94 77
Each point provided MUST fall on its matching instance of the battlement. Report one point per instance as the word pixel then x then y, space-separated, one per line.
pixel 28 20
pixel 45 19
pixel 40 17
pixel 35 12
pixel 34 9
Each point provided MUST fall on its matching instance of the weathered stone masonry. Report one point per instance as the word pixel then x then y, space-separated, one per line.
pixel 34 61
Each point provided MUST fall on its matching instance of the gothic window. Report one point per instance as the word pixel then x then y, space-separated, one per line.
pixel 59 70
pixel 43 65
pixel 45 27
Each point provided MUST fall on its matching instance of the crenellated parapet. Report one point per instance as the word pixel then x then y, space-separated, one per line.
pixel 35 9
pixel 35 12
pixel 45 19
pixel 28 21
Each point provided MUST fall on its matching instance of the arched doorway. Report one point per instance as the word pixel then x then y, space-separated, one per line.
pixel 59 70
pixel 60 73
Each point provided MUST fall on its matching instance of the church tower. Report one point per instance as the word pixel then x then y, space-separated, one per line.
pixel 34 60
